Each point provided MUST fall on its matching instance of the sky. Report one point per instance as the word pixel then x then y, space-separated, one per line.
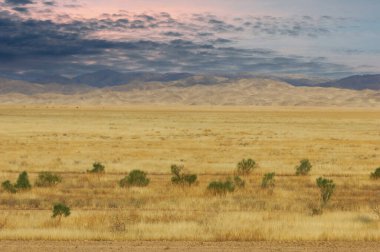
pixel 302 37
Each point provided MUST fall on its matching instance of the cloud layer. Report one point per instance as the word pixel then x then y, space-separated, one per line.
pixel 37 37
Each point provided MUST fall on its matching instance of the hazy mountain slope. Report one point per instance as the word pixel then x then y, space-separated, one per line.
pixel 105 78
pixel 27 88
pixel 253 92
pixel 357 82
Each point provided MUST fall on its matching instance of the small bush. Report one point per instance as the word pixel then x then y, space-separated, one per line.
pixel 221 187
pixel 326 187
pixel 97 168
pixel 268 180
pixel 8 187
pixel 238 182
pixel 46 179
pixel 60 210
pixel 245 166
pixel 181 178
pixel 376 174
pixel 23 182
pixel 135 178
pixel 304 167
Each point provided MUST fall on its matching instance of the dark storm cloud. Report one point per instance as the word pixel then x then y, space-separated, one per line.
pixel 50 3
pixel 18 2
pixel 20 9
pixel 173 34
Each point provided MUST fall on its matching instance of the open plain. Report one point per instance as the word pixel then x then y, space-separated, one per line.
pixel 342 144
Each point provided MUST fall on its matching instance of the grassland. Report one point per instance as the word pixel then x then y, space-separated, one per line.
pixel 342 144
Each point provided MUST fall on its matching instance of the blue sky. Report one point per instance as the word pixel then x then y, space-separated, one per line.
pixel 69 37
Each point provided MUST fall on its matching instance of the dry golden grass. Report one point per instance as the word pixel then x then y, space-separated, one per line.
pixel 341 144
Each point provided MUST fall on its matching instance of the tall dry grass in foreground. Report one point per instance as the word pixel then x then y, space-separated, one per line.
pixel 342 145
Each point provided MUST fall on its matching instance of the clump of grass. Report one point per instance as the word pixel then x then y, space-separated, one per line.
pixel 268 180
pixel 135 178
pixel 47 179
pixel 97 167
pixel 376 174
pixel 376 210
pixel 239 182
pixel 181 178
pixel 118 224
pixel 221 187
pixel 326 188
pixel 246 166
pixel 304 167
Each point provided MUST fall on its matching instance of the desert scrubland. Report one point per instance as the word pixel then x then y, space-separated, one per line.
pixel 341 144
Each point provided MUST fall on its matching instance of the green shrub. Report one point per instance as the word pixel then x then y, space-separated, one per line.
pixel 97 168
pixel 376 174
pixel 23 181
pixel 238 182
pixel 135 178
pixel 326 187
pixel 221 187
pixel 268 180
pixel 245 166
pixel 8 187
pixel 181 178
pixel 46 179
pixel 304 167
pixel 60 210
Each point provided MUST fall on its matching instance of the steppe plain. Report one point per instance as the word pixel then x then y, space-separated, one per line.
pixel 342 144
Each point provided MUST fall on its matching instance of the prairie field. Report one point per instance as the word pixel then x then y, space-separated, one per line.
pixel 341 144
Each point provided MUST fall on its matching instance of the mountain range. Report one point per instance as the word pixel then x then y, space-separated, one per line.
pixel 220 91
pixel 114 88
pixel 106 78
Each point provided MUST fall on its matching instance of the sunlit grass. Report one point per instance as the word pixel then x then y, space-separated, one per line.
pixel 341 144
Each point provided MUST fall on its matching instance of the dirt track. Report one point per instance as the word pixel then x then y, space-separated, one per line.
pixel 58 246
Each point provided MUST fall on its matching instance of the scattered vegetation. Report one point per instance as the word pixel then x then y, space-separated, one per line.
pixel 47 179
pixel 246 166
pixel 247 214
pixel 181 178
pixel 303 168
pixel 221 187
pixel 8 187
pixel 97 167
pixel 60 210
pixel 376 174
pixel 135 178
pixel 21 184
pixel 326 187
pixel 268 180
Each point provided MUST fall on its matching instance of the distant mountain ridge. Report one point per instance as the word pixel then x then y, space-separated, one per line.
pixel 101 78
pixel 109 78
